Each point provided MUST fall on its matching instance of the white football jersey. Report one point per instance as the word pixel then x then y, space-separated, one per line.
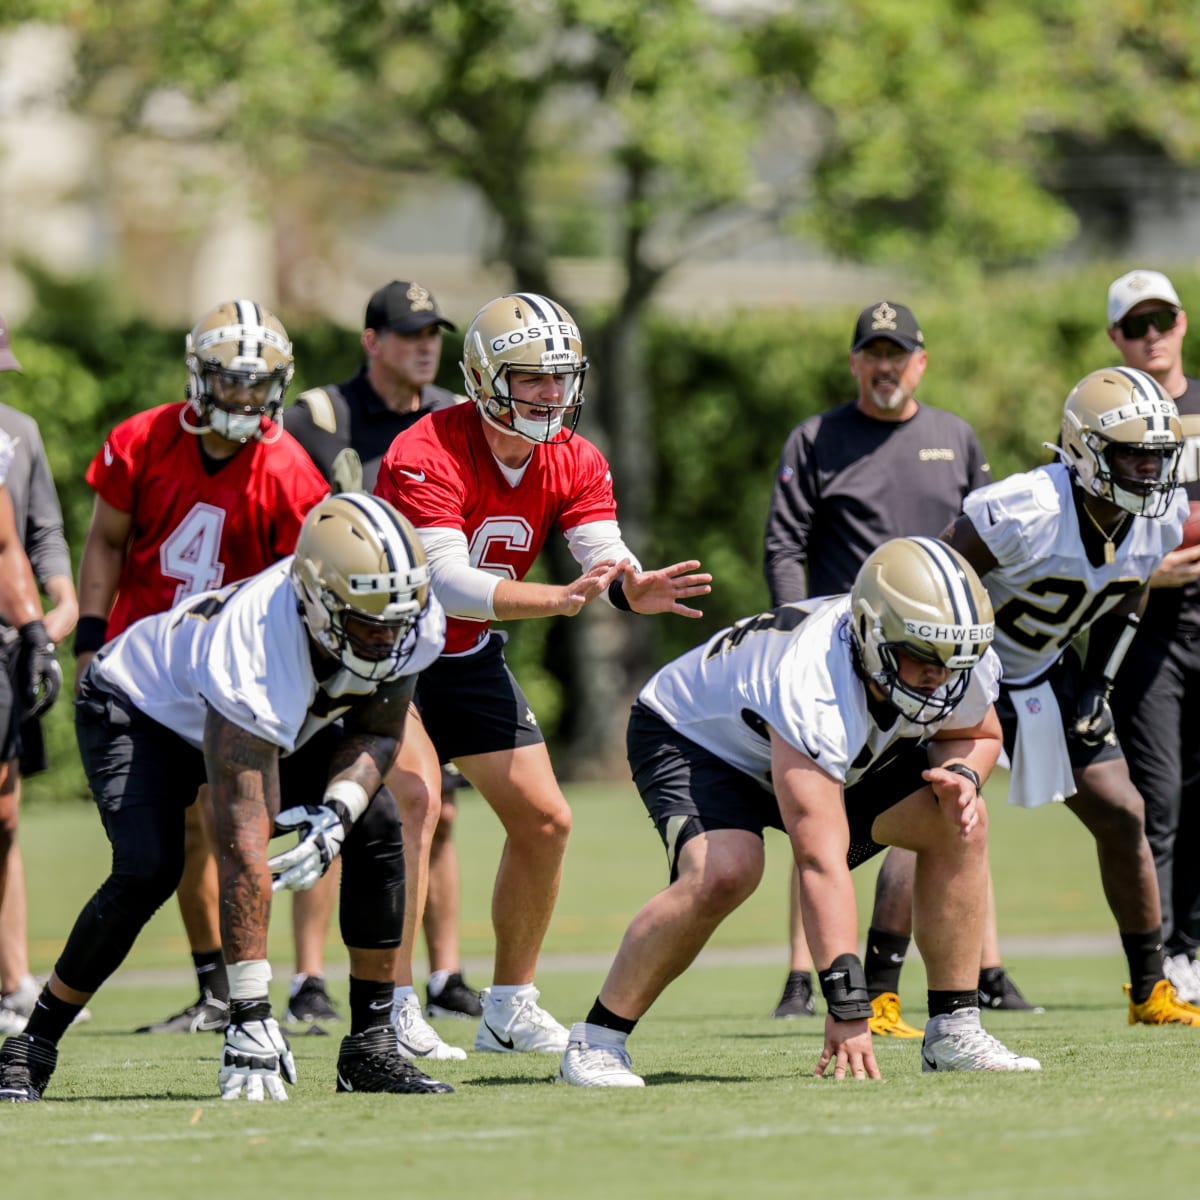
pixel 242 650
pixel 1045 590
pixel 792 669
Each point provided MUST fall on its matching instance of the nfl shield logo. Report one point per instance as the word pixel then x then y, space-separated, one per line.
pixel 1034 705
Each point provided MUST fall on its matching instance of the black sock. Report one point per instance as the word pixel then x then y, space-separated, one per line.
pixel 949 1002
pixel 370 1004
pixel 885 957
pixel 51 1016
pixel 1144 953
pixel 609 1020
pixel 210 974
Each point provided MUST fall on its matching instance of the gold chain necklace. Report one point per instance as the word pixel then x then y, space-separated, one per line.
pixel 1110 553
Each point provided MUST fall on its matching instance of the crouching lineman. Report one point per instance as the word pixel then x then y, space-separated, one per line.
pixel 852 723
pixel 1066 548
pixel 293 683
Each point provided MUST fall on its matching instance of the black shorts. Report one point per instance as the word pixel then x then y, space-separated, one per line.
pixel 679 779
pixel 474 705
pixel 1065 678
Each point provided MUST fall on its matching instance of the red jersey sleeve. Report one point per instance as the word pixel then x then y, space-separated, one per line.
pixel 113 473
pixel 423 475
pixel 590 496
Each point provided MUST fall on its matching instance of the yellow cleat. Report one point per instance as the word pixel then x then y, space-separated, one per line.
pixel 887 1021
pixel 1161 1007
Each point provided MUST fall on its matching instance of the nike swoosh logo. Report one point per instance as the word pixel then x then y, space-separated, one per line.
pixel 507 1043
pixel 417 476
pixel 380 1005
pixel 413 1050
pixel 344 1082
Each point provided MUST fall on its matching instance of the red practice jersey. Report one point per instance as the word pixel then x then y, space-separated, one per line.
pixel 194 530
pixel 442 474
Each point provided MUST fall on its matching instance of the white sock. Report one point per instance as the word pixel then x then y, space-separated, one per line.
pixel 400 993
pixel 504 993
pixel 600 1035
pixel 437 982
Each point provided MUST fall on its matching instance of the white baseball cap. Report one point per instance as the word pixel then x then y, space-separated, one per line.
pixel 1135 287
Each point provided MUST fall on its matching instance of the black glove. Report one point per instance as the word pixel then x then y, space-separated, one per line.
pixel 1093 724
pixel 39 677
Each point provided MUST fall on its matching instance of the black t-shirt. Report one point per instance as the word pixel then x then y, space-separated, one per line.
pixel 847 482
pixel 346 428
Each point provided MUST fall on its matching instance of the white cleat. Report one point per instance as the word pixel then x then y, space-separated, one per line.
pixel 415 1037
pixel 1183 974
pixel 597 1057
pixel 519 1025
pixel 957 1042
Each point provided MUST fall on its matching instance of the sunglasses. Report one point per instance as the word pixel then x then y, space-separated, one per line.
pixel 1135 327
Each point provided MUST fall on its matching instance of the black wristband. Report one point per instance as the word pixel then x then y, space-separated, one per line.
pixel 966 772
pixel 844 987
pixel 90 634
pixel 616 594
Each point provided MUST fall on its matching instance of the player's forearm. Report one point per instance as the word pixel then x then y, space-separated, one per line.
pixel 515 600
pixel 99 577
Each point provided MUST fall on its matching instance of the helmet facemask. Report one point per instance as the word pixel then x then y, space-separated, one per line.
pixel 1148 497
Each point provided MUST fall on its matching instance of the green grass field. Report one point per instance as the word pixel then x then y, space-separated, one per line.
pixel 731 1107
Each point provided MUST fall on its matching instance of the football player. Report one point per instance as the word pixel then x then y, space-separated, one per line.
pixel 485 484
pixel 1063 550
pixel 852 723
pixel 190 496
pixel 286 691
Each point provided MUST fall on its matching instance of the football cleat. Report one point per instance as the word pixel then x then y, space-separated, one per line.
pixel 1161 1007
pixel 592 1060
pixel 309 1003
pixel 997 991
pixel 415 1037
pixel 370 1062
pixel 207 1015
pixel 797 999
pixel 1183 974
pixel 887 1021
pixel 26 1064
pixel 456 999
pixel 519 1026
pixel 957 1042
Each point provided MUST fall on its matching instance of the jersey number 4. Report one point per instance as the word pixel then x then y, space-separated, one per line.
pixel 190 554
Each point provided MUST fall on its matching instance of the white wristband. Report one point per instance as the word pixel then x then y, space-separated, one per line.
pixel 350 795
pixel 248 980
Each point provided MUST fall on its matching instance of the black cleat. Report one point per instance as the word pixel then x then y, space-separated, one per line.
pixel 997 991
pixel 456 999
pixel 207 1015
pixel 797 999
pixel 310 1004
pixel 26 1064
pixel 370 1062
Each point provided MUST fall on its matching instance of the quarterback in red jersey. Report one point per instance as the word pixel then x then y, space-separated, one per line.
pixel 191 496
pixel 484 485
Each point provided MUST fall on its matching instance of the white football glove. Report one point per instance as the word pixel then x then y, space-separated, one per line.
pixel 256 1056
pixel 322 831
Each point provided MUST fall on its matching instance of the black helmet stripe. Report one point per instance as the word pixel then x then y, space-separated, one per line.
pixel 249 316
pixel 397 545
pixel 962 601
pixel 545 310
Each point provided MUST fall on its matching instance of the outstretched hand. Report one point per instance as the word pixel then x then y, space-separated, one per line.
pixel 592 583
pixel 662 590
pixel 848 1048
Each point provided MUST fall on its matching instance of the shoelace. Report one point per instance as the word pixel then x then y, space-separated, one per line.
pixel 603 1056
pixel 411 1021
pixel 977 1040
pixel 534 1014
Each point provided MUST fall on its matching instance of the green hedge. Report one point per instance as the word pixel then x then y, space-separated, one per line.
pixel 726 393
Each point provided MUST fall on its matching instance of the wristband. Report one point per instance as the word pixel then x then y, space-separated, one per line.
pixel 966 772
pixel 348 799
pixel 616 594
pixel 844 987
pixel 248 979
pixel 90 634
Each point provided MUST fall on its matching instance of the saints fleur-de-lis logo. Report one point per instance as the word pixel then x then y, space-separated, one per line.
pixel 419 299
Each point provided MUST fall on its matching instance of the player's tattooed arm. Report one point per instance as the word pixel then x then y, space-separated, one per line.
pixel 243 778
pixel 373 730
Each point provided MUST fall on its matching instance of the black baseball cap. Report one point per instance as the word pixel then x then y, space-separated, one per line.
pixel 8 360
pixel 404 307
pixel 887 320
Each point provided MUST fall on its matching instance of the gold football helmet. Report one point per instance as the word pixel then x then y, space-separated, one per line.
pixel 239 362
pixel 363 583
pixel 525 333
pixel 918 595
pixel 1120 407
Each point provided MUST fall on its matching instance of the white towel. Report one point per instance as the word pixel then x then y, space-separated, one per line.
pixel 1041 769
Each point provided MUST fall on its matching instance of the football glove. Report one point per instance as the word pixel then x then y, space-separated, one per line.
pixel 39 677
pixel 322 831
pixel 1093 724
pixel 256 1057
